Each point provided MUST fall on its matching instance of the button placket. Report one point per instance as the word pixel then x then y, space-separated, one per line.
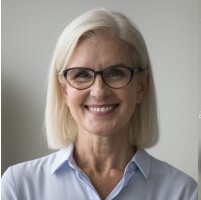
pixel 90 188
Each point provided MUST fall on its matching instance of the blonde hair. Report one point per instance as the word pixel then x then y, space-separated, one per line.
pixel 61 128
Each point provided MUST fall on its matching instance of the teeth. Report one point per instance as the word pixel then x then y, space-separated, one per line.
pixel 101 109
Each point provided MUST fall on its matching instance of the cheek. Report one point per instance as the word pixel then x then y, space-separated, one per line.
pixel 73 104
pixel 131 105
pixel 70 95
pixel 131 99
pixel 74 98
pixel 72 101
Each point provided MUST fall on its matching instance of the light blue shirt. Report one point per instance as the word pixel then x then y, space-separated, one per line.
pixel 57 177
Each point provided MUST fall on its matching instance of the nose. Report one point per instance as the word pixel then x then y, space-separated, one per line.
pixel 99 89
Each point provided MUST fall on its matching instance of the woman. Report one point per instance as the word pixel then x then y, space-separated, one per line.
pixel 101 112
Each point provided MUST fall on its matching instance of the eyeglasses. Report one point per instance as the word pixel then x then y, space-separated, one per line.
pixel 114 77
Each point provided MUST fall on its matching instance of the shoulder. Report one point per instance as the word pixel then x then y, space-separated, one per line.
pixel 162 179
pixel 163 169
pixel 172 179
pixel 24 174
pixel 35 166
pixel 48 177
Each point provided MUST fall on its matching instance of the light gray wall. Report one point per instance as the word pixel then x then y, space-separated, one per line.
pixel 199 105
pixel 29 33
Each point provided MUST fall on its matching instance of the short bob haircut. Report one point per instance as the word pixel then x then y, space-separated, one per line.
pixel 61 128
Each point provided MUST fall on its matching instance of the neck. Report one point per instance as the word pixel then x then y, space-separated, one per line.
pixel 103 154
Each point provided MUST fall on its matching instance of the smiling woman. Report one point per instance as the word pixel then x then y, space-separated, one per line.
pixel 97 96
pixel 101 113
pixel 130 50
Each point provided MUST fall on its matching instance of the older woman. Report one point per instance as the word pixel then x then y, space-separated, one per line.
pixel 101 112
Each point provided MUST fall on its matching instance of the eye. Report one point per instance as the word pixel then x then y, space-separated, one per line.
pixel 116 73
pixel 81 75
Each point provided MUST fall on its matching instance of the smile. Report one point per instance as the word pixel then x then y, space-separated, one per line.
pixel 101 109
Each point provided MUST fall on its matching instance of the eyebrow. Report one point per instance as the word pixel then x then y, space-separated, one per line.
pixel 119 65
pixel 113 65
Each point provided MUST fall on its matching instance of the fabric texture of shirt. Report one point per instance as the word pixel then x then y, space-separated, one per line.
pixel 57 177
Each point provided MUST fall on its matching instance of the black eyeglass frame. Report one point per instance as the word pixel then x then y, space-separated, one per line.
pixel 133 71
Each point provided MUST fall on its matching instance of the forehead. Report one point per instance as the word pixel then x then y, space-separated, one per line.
pixel 101 52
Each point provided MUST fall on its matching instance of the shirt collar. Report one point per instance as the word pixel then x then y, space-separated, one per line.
pixel 64 155
pixel 141 159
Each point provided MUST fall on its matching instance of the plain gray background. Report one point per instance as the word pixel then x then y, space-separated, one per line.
pixel 171 30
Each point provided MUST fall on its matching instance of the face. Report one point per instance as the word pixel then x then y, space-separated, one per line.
pixel 99 109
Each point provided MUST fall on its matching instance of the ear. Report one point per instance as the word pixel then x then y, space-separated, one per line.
pixel 142 86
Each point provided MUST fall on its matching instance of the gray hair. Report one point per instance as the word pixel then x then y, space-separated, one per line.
pixel 61 128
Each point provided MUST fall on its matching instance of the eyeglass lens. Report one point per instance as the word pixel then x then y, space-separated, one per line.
pixel 82 78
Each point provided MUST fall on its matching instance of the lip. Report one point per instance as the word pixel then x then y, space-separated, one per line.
pixel 101 110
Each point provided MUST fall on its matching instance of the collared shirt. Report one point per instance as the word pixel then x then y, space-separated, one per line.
pixel 57 177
